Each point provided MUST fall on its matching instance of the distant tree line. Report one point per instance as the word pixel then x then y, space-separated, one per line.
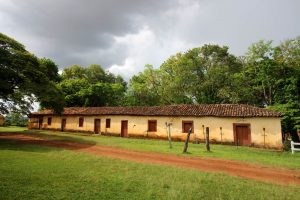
pixel 266 76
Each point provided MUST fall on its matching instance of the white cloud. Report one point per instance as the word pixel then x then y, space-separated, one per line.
pixel 145 47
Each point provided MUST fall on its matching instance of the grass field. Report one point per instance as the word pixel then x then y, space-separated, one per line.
pixel 244 154
pixel 39 172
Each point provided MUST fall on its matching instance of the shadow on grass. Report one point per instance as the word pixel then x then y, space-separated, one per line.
pixel 26 140
pixel 14 145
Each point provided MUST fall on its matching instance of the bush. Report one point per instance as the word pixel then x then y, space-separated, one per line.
pixel 287 145
pixel 15 119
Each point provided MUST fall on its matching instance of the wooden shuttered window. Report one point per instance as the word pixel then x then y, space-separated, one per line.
pixel 81 120
pixel 186 125
pixel 49 121
pixel 152 125
pixel 107 124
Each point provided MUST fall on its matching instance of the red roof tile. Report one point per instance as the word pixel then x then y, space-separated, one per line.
pixel 218 110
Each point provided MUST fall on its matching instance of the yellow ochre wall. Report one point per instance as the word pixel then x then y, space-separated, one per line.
pixel 138 126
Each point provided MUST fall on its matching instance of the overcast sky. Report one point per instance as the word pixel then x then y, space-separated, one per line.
pixel 124 35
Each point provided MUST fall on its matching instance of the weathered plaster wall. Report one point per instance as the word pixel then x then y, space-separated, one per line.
pixel 138 126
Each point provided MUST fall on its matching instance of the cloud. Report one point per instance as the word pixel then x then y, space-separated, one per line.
pixel 75 31
pixel 144 47
pixel 123 36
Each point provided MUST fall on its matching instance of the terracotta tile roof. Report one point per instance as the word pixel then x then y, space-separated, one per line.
pixel 218 110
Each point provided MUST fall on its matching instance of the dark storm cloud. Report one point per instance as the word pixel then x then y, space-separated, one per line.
pixel 69 29
pixel 124 35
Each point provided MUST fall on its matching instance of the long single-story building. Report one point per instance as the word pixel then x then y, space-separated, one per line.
pixel 228 123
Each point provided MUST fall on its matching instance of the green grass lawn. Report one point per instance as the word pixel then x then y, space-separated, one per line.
pixel 12 129
pixel 244 154
pixel 39 172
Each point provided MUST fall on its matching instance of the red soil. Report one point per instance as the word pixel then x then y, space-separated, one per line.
pixel 234 168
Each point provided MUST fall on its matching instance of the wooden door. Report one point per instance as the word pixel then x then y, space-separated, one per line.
pixel 97 124
pixel 63 124
pixel 187 125
pixel 124 128
pixel 40 123
pixel 242 134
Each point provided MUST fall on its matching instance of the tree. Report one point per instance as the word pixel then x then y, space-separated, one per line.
pixel 103 94
pixel 95 73
pixel 91 86
pixel 274 77
pixel 200 75
pixel 143 88
pixel 24 78
pixel 74 72
pixel 73 91
pixel 16 119
pixel 49 68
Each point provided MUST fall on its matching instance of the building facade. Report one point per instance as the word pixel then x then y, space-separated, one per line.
pixel 232 124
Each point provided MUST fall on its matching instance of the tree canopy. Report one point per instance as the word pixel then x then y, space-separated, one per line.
pixel 91 86
pixel 24 78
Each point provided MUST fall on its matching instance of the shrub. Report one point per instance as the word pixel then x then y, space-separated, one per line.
pixel 287 145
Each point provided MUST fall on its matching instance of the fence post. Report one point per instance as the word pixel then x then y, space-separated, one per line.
pixel 264 135
pixel 186 144
pixel 168 129
pixel 221 133
pixel 207 139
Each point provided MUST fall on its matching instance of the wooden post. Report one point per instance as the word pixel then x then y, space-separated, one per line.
pixel 170 140
pixel 264 135
pixel 207 139
pixel 221 133
pixel 186 144
pixel 168 129
pixel 203 133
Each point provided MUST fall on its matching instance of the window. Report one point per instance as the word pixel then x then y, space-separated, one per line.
pixel 81 119
pixel 186 125
pixel 49 121
pixel 152 124
pixel 107 123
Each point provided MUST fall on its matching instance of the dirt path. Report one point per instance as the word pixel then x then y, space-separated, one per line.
pixel 234 168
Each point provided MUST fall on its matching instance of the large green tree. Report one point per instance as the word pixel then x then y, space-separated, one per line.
pixel 287 96
pixel 144 88
pixel 24 79
pixel 200 75
pixel 91 86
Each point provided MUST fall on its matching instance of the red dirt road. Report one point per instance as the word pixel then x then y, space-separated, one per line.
pixel 234 168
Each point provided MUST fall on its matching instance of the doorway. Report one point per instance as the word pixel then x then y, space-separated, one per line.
pixel 40 123
pixel 63 124
pixel 124 128
pixel 242 134
pixel 97 124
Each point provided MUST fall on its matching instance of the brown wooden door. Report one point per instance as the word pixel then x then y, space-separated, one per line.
pixel 186 126
pixel 242 135
pixel 40 123
pixel 124 128
pixel 63 124
pixel 97 124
